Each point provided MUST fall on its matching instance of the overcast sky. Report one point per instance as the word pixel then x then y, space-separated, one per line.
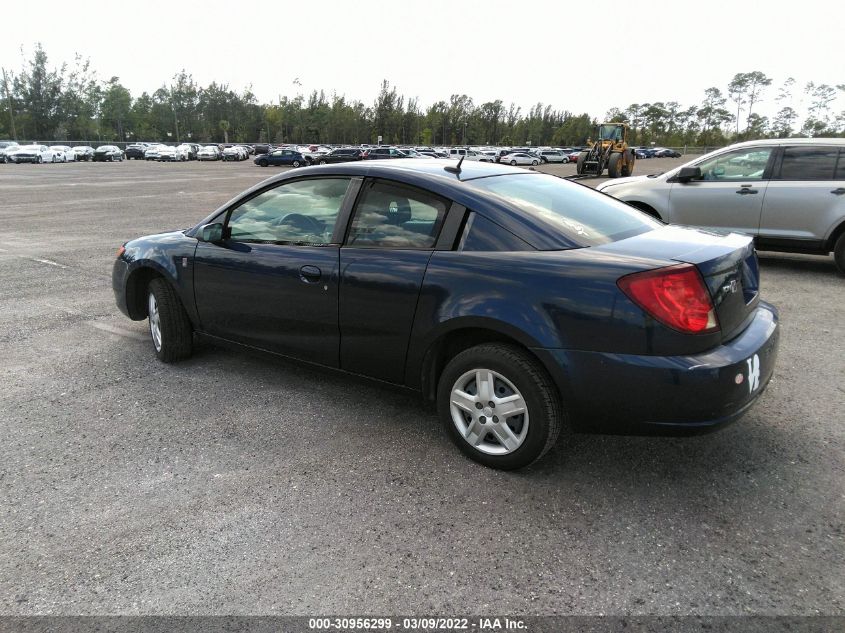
pixel 578 56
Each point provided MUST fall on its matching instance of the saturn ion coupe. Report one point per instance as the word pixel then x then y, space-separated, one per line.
pixel 521 303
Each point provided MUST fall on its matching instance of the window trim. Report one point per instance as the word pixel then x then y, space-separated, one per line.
pixel 338 231
pixel 439 240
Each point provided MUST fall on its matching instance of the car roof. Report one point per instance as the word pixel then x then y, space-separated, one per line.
pixel 790 141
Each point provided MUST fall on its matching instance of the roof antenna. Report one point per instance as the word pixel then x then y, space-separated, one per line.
pixel 457 168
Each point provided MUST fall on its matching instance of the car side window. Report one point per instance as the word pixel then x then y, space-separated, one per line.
pixel 808 163
pixel 393 215
pixel 481 234
pixel 741 164
pixel 299 212
pixel 840 166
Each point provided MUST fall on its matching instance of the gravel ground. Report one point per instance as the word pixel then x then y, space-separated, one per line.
pixel 233 483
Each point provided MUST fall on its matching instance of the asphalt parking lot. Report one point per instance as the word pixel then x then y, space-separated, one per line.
pixel 234 483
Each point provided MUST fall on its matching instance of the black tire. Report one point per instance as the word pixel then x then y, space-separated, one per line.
pixel 534 162
pixel 613 165
pixel 262 163
pixel 40 160
pixel 839 253
pixel 322 162
pixel 513 162
pixel 296 163
pixel 175 326
pixel 546 414
pixel 579 164
pixel 628 167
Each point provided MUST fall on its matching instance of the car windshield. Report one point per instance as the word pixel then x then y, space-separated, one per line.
pixel 585 216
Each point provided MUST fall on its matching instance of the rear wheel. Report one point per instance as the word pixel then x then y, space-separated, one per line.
pixel 170 328
pixel 513 162
pixel 614 165
pixel 263 163
pixel 499 406
pixel 839 253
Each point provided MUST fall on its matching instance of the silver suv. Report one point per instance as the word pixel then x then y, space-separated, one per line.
pixel 788 193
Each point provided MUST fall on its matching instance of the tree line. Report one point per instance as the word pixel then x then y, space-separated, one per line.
pixel 70 103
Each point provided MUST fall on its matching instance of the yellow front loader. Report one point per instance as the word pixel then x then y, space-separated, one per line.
pixel 609 152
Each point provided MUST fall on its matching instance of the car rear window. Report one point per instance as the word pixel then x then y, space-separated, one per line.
pixel 583 215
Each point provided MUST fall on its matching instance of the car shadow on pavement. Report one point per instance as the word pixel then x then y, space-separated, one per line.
pixel 789 262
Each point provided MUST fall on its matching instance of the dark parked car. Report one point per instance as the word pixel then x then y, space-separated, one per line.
pixel 280 157
pixel 521 302
pixel 667 153
pixel 340 155
pixel 108 153
pixel 375 153
pixel 136 151
pixel 644 152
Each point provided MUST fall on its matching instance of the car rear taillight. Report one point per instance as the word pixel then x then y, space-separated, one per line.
pixel 121 251
pixel 676 296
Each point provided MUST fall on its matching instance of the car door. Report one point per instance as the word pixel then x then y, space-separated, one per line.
pixel 393 231
pixel 804 199
pixel 272 281
pixel 728 196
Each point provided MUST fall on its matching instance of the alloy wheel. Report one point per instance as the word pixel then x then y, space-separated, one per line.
pixel 489 412
pixel 155 321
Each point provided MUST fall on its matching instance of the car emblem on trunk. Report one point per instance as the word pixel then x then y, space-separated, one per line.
pixel 730 287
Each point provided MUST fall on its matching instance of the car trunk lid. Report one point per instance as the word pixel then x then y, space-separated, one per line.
pixel 727 262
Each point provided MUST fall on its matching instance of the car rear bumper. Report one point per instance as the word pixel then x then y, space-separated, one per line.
pixel 668 395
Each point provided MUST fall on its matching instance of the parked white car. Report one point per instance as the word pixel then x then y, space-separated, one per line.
pixel 788 193
pixel 152 152
pixel 83 152
pixel 553 156
pixel 469 154
pixel 64 152
pixel 209 152
pixel 236 152
pixel 6 147
pixel 519 158
pixel 32 154
pixel 172 154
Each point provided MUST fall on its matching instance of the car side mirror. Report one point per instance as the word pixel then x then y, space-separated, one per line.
pixel 688 173
pixel 211 233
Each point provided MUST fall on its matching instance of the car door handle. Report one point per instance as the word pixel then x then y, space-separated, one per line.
pixel 838 192
pixel 310 274
pixel 746 190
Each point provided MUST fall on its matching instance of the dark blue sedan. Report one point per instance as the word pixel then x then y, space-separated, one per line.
pixel 522 303
pixel 280 157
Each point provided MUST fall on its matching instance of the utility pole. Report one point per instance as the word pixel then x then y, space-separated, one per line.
pixel 11 110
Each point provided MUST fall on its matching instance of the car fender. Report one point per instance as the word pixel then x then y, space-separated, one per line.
pixel 172 258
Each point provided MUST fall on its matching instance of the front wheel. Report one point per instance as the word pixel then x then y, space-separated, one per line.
pixel 533 162
pixel 262 163
pixel 296 163
pixel 499 406
pixel 170 327
pixel 839 253
pixel 513 162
